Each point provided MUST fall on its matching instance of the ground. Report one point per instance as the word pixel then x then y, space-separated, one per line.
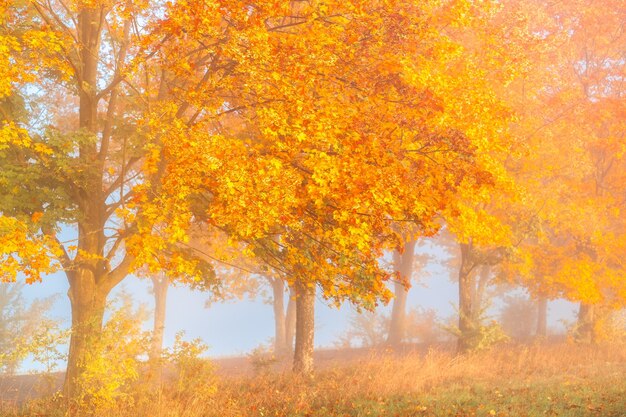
pixel 513 380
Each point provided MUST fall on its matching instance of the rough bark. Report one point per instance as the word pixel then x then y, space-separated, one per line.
pixel 160 285
pixel 305 329
pixel 280 330
pixel 542 317
pixel 290 320
pixel 467 326
pixel 403 264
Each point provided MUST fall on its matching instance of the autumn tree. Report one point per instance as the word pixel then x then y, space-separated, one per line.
pixel 242 275
pixel 21 324
pixel 403 265
pixel 519 317
pixel 71 172
pixel 317 184
pixel 571 117
pixel 22 247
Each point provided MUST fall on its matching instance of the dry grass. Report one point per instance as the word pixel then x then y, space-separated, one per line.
pixel 560 380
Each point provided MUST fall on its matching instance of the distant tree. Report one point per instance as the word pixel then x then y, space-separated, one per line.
pixel 22 326
pixel 403 267
pixel 542 317
pixel 284 316
pixel 518 317
pixel 366 328
pixel 422 326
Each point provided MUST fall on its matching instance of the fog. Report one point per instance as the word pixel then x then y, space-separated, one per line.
pixel 236 327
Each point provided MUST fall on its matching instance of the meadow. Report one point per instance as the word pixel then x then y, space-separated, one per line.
pixel 558 379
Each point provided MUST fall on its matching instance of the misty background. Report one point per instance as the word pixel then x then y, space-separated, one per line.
pixel 236 327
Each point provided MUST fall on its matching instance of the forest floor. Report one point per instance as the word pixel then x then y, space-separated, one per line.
pixel 512 380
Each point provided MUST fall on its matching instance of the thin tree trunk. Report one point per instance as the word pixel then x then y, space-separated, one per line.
pixel 397 324
pixel 479 301
pixel 467 327
pixel 542 317
pixel 594 321
pixel 586 320
pixel 290 320
pixel 89 26
pixel 403 264
pixel 160 285
pixel 305 329
pixel 280 331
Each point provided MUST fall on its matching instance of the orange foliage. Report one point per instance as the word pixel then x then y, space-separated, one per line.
pixel 316 133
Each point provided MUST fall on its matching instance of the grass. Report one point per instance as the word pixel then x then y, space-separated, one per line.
pixel 541 380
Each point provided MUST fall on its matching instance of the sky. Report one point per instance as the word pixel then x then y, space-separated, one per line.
pixel 235 328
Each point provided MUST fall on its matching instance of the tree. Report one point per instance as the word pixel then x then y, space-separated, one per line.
pixel 369 328
pixel 240 275
pixel 78 174
pixel 160 285
pixel 571 116
pixel 22 249
pixel 472 290
pixel 334 175
pixel 403 264
pixel 21 325
pixel 519 317
pixel 542 318
pixel 284 317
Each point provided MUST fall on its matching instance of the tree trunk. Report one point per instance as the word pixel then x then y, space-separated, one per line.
pixel 89 27
pixel 542 317
pixel 403 264
pixel 305 329
pixel 88 305
pixel 280 330
pixel 594 321
pixel 87 297
pixel 290 320
pixel 467 325
pixel 90 280
pixel 586 320
pixel 160 285
pixel 478 300
pixel 397 324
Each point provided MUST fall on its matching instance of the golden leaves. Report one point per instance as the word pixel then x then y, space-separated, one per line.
pixel 330 133
pixel 339 126
pixel 24 251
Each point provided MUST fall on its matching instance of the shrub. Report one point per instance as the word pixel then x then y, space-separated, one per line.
pixel 262 359
pixel 195 376
pixel 484 333
pixel 112 363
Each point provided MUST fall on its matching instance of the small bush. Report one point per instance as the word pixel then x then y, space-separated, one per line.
pixel 483 334
pixel 262 359
pixel 113 362
pixel 195 376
